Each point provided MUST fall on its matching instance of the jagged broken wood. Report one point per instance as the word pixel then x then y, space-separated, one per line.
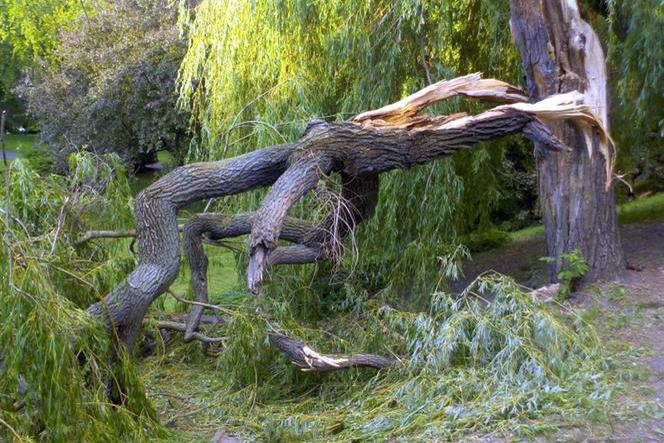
pixel 394 137
pixel 301 354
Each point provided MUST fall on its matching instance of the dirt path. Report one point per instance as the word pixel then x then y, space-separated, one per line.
pixel 643 244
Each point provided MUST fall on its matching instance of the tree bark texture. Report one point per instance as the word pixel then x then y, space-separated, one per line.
pixel 357 150
pixel 561 53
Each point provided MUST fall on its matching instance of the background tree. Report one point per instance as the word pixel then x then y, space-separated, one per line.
pixel 29 31
pixel 110 86
pixel 632 31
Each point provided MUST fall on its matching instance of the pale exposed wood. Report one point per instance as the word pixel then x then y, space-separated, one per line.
pixel 545 293
pixel 402 113
pixel 301 354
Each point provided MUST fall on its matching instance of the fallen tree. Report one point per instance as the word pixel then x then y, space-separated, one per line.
pixel 397 136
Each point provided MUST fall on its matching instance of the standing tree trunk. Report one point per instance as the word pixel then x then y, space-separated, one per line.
pixel 560 53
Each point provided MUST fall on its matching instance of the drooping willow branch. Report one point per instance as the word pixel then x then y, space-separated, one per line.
pixel 394 137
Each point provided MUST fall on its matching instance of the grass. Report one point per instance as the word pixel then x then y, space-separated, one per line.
pixel 21 145
pixel 641 210
pixel 644 209
pixel 222 275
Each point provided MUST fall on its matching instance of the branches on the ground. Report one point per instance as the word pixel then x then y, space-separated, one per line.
pixel 182 327
pixel 301 354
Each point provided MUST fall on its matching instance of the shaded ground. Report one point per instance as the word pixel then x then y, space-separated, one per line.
pixel 630 319
pixel 643 244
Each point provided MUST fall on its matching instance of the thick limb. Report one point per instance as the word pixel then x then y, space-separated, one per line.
pixel 299 179
pixel 157 229
pixel 358 195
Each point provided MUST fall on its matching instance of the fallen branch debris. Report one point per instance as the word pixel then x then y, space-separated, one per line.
pixel 301 354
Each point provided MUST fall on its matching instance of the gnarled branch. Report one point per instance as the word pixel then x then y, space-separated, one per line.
pixel 394 137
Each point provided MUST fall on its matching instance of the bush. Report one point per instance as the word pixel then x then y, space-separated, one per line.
pixel 111 86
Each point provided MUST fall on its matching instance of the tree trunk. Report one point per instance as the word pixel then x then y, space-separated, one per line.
pixel 560 53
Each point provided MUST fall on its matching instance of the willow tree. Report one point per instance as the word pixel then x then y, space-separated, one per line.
pixel 562 53
pixel 222 65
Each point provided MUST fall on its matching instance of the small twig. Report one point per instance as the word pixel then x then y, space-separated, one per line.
pixel 90 235
pixel 61 219
pixel 424 61
pixel 12 430
pixel 21 224
pixel 171 420
pixel 8 217
pixel 181 327
pixel 198 303
pixel 621 177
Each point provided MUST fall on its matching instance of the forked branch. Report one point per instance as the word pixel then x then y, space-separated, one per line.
pixel 394 137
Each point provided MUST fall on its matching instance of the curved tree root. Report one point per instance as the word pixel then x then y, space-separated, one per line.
pixel 394 137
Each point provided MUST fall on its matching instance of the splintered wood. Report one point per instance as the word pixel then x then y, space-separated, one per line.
pixel 572 106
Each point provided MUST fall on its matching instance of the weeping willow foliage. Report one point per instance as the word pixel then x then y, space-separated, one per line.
pixel 636 54
pixel 54 358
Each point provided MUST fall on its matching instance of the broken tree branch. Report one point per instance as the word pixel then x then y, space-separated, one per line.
pixel 393 137
pixel 301 354
pixel 182 327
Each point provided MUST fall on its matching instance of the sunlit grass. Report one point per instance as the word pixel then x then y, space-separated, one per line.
pixel 19 146
pixel 641 210
pixel 22 144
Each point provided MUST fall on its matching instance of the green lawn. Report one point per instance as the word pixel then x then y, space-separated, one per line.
pixel 21 145
pixel 641 210
pixel 644 209
pixel 222 276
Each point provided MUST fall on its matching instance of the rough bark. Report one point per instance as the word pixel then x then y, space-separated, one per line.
pixel 561 53
pixel 357 150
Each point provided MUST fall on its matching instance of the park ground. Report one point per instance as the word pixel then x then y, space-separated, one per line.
pixel 628 316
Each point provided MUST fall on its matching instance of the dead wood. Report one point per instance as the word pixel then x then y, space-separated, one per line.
pixel 301 354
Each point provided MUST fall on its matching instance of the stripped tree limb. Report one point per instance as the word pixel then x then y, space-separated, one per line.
pixel 301 354
pixel 375 142
pixel 91 235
